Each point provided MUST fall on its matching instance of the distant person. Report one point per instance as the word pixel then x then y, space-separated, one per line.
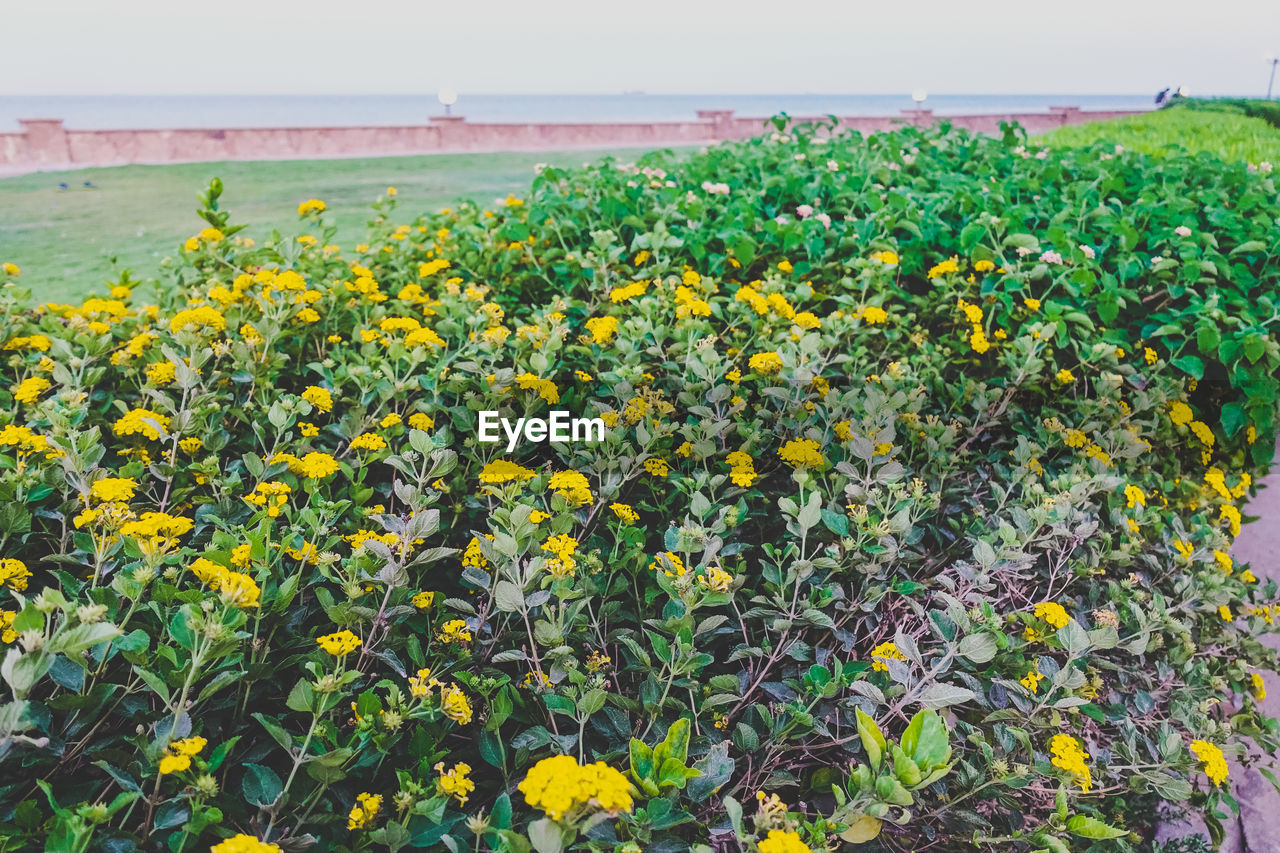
pixel 1162 96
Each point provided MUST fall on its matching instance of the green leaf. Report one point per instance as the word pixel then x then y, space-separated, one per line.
pixel 1192 365
pixel 1089 827
pixel 873 742
pixel 261 786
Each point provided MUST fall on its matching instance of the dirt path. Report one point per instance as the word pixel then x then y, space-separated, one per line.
pixel 1257 830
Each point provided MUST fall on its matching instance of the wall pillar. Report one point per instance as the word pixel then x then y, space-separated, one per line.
pixel 919 118
pixel 720 122
pixel 1066 115
pixel 451 132
pixel 46 140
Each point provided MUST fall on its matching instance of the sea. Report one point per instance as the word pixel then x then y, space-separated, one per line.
pixel 96 112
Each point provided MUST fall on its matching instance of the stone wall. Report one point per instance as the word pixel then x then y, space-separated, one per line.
pixel 48 144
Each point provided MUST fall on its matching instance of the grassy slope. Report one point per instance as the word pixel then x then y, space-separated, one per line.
pixel 61 238
pixel 1228 135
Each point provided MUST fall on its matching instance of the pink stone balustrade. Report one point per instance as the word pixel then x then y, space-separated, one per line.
pixel 43 144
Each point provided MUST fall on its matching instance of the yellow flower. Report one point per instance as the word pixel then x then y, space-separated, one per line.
pixel 1180 413
pixel 571 486
pixel 311 205
pixel 14 574
pixel 318 397
pixel 113 489
pixel 316 466
pixel 454 631
pixel 1134 496
pixel 1257 686
pixel 1032 680
pixel 628 291
pixel 501 471
pixel 28 391
pixel 625 512
pixel 765 363
pixel 883 652
pixel 196 318
pixel 421 421
pixel 366 808
pixel 873 314
pixel 1032 304
pixel 657 467
pixel 886 257
pixel 1225 614
pixel 454 782
pixel 1067 754
pixel 559 786
pixel 368 441
pixel 741 468
pixel 174 764
pixel 188 746
pixel 423 600
pixel 272 496
pixel 950 265
pixel 1066 376
pixel 11 269
pixel 1215 763
pixel 782 841
pixel 143 422
pixel 802 453
pixel 602 329
pixel 339 644
pixel 1053 613
pixel 454 704
pixel 244 844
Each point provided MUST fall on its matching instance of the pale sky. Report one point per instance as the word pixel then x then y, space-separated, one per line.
pixel 658 46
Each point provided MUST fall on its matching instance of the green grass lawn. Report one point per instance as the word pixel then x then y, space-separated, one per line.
pixel 64 239
pixel 1228 135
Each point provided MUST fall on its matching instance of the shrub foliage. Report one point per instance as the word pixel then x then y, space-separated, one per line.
pixel 911 528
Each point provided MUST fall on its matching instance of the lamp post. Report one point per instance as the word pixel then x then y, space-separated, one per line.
pixel 448 97
pixel 919 96
pixel 1274 60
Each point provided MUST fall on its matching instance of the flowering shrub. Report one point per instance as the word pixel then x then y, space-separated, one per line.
pixel 911 529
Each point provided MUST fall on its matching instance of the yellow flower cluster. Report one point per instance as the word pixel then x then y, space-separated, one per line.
pixel 178 756
pixel 562 563
pixel 977 336
pixel 765 363
pixel 455 782
pixel 143 422
pixel 501 471
pixel 602 329
pixel 560 786
pixel 802 453
pixel 1068 755
pixel 340 643
pixel 1213 761
pixel 628 291
pixel 625 513
pixel 244 844
pixel 14 574
pixel 782 841
pixel 28 391
pixel 272 496
pixel 572 486
pixel 236 588
pixel 742 469
pixel 881 653
pixel 319 397
pixel 455 631
pixel 364 810
pixel 1053 613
